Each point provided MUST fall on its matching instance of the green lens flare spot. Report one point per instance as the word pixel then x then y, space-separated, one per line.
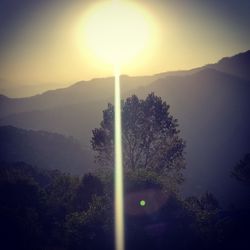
pixel 142 203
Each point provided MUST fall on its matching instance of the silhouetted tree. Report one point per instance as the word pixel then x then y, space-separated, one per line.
pixel 206 210
pixel 43 209
pixel 89 186
pixel 22 207
pixel 242 170
pixel 151 138
pixel 86 229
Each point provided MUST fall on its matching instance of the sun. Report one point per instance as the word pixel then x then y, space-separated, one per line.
pixel 117 31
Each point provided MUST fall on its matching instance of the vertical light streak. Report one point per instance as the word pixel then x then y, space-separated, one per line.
pixel 119 206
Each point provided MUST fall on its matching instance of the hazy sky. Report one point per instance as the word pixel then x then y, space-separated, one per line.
pixel 40 40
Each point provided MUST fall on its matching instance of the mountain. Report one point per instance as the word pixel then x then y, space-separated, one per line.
pixel 20 89
pixel 101 89
pixel 214 116
pixel 238 65
pixel 42 149
pixel 210 102
pixel 79 93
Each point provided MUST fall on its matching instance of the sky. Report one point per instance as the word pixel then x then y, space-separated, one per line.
pixel 41 44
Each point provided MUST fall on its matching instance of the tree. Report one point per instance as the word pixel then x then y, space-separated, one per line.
pixel 242 170
pixel 205 209
pixel 89 186
pixel 90 229
pixel 150 137
pixel 22 206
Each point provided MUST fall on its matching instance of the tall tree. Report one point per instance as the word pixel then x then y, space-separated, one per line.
pixel 242 170
pixel 150 136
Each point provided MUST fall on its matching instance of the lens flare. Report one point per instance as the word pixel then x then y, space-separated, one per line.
pixel 142 203
pixel 117 31
pixel 119 197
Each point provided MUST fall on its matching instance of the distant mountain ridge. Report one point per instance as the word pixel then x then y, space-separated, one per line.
pixel 78 93
pixel 238 65
pixel 42 149
pixel 102 88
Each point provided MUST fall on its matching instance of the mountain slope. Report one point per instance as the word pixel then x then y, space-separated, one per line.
pixel 42 149
pixel 238 65
pixel 79 93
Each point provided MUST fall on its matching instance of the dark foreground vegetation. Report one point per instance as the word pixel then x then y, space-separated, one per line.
pixel 42 209
pixel 50 210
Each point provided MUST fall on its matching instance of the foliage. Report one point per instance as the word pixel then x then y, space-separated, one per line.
pixel 205 209
pixel 42 209
pixel 22 205
pixel 87 228
pixel 36 206
pixel 242 170
pixel 89 186
pixel 151 138
pixel 142 179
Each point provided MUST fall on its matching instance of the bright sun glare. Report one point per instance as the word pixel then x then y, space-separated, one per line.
pixel 117 31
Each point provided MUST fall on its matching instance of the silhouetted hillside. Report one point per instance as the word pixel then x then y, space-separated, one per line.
pixel 238 65
pixel 42 149
pixel 79 93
